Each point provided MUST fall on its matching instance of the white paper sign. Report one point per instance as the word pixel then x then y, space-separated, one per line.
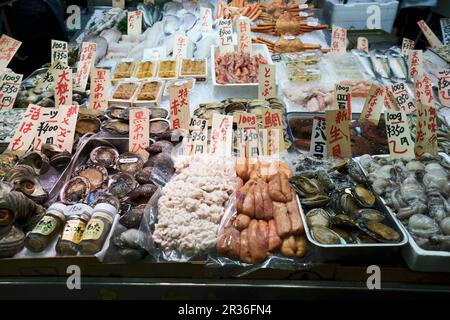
pixel 318 146
pixel 60 51
pixel 205 20
pixel 225 36
pixel 9 87
pixel 445 27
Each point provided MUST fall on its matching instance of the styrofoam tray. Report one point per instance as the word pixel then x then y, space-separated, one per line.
pixel 256 48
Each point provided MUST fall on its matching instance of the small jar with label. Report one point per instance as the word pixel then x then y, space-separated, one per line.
pixel 78 217
pixel 98 228
pixel 47 228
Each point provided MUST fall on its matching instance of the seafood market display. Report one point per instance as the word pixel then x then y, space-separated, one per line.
pixel 418 191
pixel 238 67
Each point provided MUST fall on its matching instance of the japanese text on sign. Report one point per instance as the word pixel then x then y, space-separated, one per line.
pixel 47 82
pixel 197 140
pixel 424 90
pixel 433 40
pixel 399 136
pixel 205 20
pixel 363 44
pixel 266 82
pixel 402 98
pixel 63 87
pixel 426 140
pixel 9 87
pixel 273 119
pixel 181 47
pixel 415 63
pixel 47 128
pixel 221 135
pixel 8 48
pixel 67 120
pixel 87 59
pixel 407 46
pixel 318 146
pixel 244 35
pixel 225 36
pixel 134 23
pixel 139 131
pixel 373 105
pixel 275 141
pixel 445 28
pixel 389 99
pixel 338 40
pixel 179 107
pixel 99 89
pixel 343 98
pixel 26 131
pixel 60 52
pixel 338 133
pixel 444 87
pixel 246 135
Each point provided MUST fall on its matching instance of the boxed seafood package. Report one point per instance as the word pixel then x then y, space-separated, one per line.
pixel 149 93
pixel 123 70
pixel 124 93
pixel 194 68
pixel 145 69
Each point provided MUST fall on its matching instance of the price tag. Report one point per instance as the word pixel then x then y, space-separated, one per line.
pixel 226 36
pixel 26 131
pixel 87 59
pixel 244 35
pixel 221 135
pixel 139 135
pixel 60 52
pixel 47 128
pixel 424 90
pixel 399 136
pixel 373 105
pixel 338 133
pixel 134 23
pixel 433 40
pixel 389 100
pixel 363 44
pixel 338 40
pixel 8 48
pixel 415 63
pixel 180 47
pixel 47 82
pixel 100 80
pixel 246 134
pixel 266 82
pixel 9 87
pixel 426 140
pixel 273 119
pixel 179 107
pixel 318 146
pixel 205 20
pixel 444 87
pixel 445 27
pixel 343 98
pixel 63 87
pixel 197 139
pixel 402 98
pixel 407 46
pixel 118 4
pixel 67 121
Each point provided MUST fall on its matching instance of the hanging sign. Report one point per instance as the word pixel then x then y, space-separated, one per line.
pixel 9 87
pixel 24 136
pixel 399 135
pixel 100 81
pixel 338 133
pixel 47 128
pixel 139 136
pixel 426 140
pixel 266 82
pixel 373 105
pixel 221 135
pixel 67 121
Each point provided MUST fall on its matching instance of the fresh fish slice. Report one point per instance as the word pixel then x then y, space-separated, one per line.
pixel 381 64
pixel 365 61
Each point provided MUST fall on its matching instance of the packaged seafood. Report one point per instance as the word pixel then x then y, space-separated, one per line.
pixel 124 93
pixel 123 70
pixel 149 92
pixel 145 69
pixel 167 69
pixel 193 68
pixel 303 74
pixel 296 59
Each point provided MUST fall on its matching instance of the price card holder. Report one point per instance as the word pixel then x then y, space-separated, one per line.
pixel 47 129
pixel 244 35
pixel 407 46
pixel 343 98
pixel 63 87
pixel 445 28
pixel 338 40
pixel 134 23
pixel 318 148
pixel 225 36
pixel 197 139
pixel 205 20
pixel 363 44
pixel 402 98
pixel 9 87
pixel 424 90
pixel 444 87
pixel 399 135
pixel 179 107
pixel 266 82
pixel 433 40
pixel 139 136
pixel 24 136
pixel 426 140
pixel 8 48
pixel 67 121
pixel 60 52
pixel 338 134
pixel 87 59
pixel 100 80
pixel 373 105
pixel 221 135
pixel 415 63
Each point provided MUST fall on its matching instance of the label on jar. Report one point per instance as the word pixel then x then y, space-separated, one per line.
pixel 45 226
pixel 94 230
pixel 104 216
pixel 73 231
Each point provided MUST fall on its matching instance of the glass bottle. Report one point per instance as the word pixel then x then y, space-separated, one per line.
pixel 98 228
pixel 69 241
pixel 47 228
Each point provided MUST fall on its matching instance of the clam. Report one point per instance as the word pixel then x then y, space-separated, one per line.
pixel 159 113
pixel 325 235
pixel 304 186
pixel 355 172
pixel 340 165
pixel 342 233
pixel 380 231
pixel 37 160
pixel 97 175
pixel 318 217
pixel 319 200
pixel 371 215
pixel 343 221
pixel 258 103
pixel 61 160
pixel 235 100
pixel 87 124
pixel 234 107
pixel 159 125
pixel 362 238
pixel 104 156
pixel 118 112
pixel 76 190
pixel 364 196
pixel 121 184
pixel 130 163
pixel 142 194
pixel 31 187
pixel 116 127
pixel 132 218
pixel 347 204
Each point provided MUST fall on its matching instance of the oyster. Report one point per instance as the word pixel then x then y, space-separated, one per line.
pixel 158 126
pixel 380 231
pixel 76 190
pixel 97 175
pixel 87 124
pixel 132 218
pixel 445 226
pixel 32 188
pixel 325 235
pixel 121 184
pixel 118 112
pixel 142 194
pixel 371 215
pixel 318 217
pixel 116 127
pixel 104 156
pixel 37 160
pixel 364 196
pixel 130 163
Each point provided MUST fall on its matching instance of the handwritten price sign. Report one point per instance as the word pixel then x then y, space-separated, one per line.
pixel 225 36
pixel 134 23
pixel 373 105
pixel 343 98
pixel 197 140
pixel 60 52
pixel 244 35
pixel 87 59
pixel 402 98
pixel 47 129
pixel 399 135
pixel 221 135
pixel 63 87
pixel 139 131
pixel 26 132
pixel 426 140
pixel 9 87
pixel 179 107
pixel 338 40
pixel 67 121
pixel 99 89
